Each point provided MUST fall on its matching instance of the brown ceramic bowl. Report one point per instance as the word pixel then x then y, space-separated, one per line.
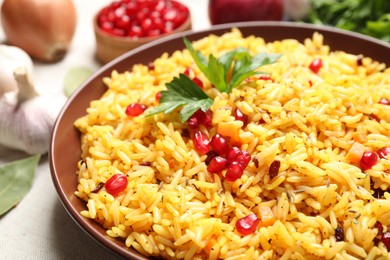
pixel 109 47
pixel 65 142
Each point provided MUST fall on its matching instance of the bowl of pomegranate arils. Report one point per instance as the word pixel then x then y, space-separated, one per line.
pixel 126 24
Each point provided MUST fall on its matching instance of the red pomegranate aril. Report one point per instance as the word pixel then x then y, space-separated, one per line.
pixel 123 22
pixel 386 240
pixel 116 184
pixel 384 101
pixel 135 31
pixel 158 96
pixel 238 115
pixel 219 144
pixel 315 65
pixel 146 25
pixel 217 164
pixel 201 118
pixel 107 26
pixel 383 152
pixel 379 226
pixel 201 142
pixel 243 158
pixel 247 225
pixel 135 109
pixel 118 32
pixel 266 77
pixel 234 172
pixel 188 72
pixel 198 82
pixel 193 122
pixel 158 24
pixel 232 154
pixel 368 160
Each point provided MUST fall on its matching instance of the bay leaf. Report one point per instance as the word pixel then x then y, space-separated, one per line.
pixel 74 77
pixel 16 179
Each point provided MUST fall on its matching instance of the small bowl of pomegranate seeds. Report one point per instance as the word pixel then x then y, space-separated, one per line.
pixel 126 24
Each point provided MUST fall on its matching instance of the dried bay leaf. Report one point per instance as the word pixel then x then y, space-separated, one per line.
pixel 16 179
pixel 74 77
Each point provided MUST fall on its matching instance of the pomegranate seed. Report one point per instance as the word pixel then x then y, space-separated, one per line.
pixel 135 109
pixel 193 122
pixel 238 115
pixel 201 142
pixel 315 65
pixel 217 164
pixel 266 77
pixel 274 168
pixel 247 225
pixel 383 152
pixel 210 155
pixel 234 172
pixel 368 160
pixel 386 240
pixel 198 82
pixel 116 184
pixel 123 22
pixel 243 158
pixel 153 17
pixel 188 72
pixel 384 101
pixel 158 96
pixel 201 118
pixel 232 154
pixel 379 226
pixel 219 144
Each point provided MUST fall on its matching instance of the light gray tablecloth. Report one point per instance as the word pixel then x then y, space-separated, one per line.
pixel 39 227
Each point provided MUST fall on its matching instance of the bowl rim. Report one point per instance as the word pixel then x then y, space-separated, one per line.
pixel 75 215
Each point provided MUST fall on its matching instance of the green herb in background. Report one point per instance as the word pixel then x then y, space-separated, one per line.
pixel 16 179
pixel 370 17
pixel 74 77
pixel 182 91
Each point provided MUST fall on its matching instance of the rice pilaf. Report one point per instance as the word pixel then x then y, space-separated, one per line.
pixel 323 204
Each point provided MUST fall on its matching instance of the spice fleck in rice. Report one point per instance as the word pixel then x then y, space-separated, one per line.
pixel 318 203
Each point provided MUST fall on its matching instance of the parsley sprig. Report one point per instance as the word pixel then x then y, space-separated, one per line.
pixel 182 91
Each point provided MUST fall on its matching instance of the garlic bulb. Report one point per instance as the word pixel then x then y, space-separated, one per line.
pixel 26 117
pixel 10 58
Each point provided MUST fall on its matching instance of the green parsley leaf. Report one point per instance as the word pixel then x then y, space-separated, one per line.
pixel 244 66
pixel 182 91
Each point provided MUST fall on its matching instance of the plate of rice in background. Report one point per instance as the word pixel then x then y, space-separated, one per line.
pixel 261 140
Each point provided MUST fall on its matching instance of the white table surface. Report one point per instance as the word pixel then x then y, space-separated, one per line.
pixel 39 227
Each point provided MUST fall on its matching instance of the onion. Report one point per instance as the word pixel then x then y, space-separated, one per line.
pixel 42 28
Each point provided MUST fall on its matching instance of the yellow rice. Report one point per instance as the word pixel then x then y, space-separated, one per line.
pixel 173 207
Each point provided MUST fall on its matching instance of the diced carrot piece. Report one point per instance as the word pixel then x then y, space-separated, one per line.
pixel 266 216
pixel 359 137
pixel 210 245
pixel 355 153
pixel 231 129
